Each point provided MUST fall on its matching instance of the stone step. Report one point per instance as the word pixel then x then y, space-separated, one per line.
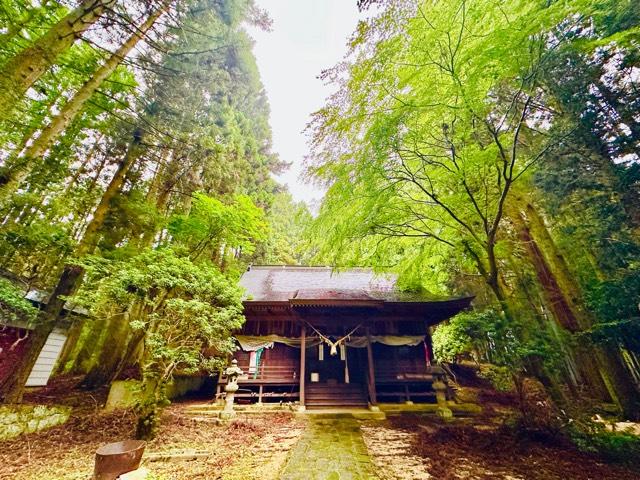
pixel 331 395
pixel 337 400
pixel 311 404
pixel 335 413
pixel 209 409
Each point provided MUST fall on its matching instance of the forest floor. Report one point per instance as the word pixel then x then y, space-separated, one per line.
pixel 277 446
pixel 410 447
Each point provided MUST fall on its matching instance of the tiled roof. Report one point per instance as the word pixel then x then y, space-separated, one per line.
pixel 40 296
pixel 275 283
pixel 332 293
pixel 282 283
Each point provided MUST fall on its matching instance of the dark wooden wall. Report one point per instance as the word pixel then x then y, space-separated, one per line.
pixel 280 355
pixel 13 345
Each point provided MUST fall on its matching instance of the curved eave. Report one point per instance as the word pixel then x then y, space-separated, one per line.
pixel 434 311
pixel 315 302
pixel 460 304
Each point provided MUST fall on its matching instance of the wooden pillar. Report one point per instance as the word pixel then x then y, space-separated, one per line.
pixel 371 377
pixel 303 359
pixel 429 344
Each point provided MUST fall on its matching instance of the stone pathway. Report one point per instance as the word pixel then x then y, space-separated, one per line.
pixel 330 449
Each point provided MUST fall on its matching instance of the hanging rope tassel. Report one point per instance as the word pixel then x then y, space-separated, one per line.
pixel 333 346
pixel 343 355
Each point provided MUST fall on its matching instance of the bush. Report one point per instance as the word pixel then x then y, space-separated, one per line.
pixel 499 377
pixel 466 334
pixel 615 447
pixel 13 305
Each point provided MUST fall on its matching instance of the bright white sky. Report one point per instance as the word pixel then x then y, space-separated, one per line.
pixel 307 37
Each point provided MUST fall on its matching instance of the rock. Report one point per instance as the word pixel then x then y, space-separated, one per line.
pixel 11 431
pixel 444 413
pixel 9 418
pixel 18 419
pixel 123 394
pixel 139 474
pixel 40 411
pixel 178 456
pixel 32 425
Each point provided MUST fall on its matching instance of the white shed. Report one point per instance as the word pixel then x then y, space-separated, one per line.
pixel 47 359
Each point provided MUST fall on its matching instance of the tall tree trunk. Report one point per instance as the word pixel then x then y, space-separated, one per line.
pixel 80 361
pixel 73 335
pixel 90 237
pixel 165 180
pixel 12 390
pixel 111 352
pixel 561 308
pixel 130 352
pixel 82 168
pixel 72 108
pixel 565 299
pixel 135 340
pixel 491 274
pixel 25 68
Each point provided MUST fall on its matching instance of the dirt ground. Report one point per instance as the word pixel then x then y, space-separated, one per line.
pixel 260 446
pixel 421 447
pixel 255 447
pixel 66 452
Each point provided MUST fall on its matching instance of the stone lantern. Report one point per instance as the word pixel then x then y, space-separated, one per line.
pixel 230 389
pixel 443 410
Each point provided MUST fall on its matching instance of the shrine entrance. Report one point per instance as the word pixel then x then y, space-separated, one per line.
pixel 347 366
pixel 335 379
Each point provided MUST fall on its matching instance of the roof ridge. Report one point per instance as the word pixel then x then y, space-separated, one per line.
pixel 315 267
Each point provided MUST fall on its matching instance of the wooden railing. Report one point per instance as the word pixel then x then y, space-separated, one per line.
pixel 406 373
pixel 284 373
pixel 384 372
pixel 404 382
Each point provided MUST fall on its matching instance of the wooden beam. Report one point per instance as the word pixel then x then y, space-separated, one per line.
pixel 429 343
pixel 303 359
pixel 371 383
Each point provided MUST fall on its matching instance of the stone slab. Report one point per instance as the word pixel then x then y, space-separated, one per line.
pixel 139 474
pixel 18 419
pixel 330 449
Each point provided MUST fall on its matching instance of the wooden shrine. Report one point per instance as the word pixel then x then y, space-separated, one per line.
pixel 326 338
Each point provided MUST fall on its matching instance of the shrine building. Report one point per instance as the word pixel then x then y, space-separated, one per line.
pixel 327 338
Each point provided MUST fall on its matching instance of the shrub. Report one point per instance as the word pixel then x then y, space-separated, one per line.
pixel 615 447
pixel 499 377
pixel 13 305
